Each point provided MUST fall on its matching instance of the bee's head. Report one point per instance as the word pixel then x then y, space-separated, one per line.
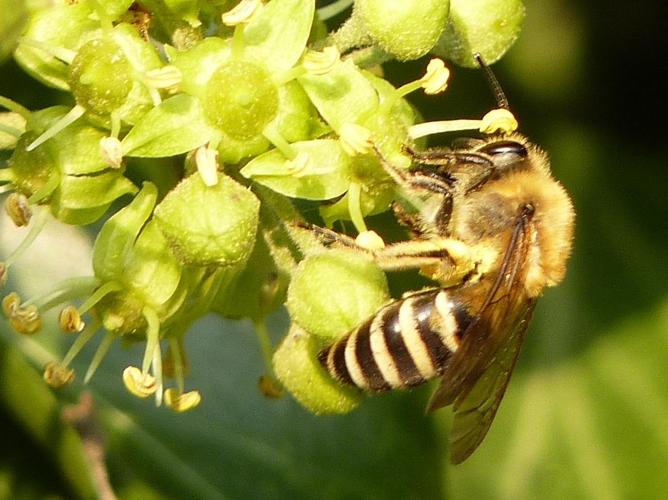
pixel 506 153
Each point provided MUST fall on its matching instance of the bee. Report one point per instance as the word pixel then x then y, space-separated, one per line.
pixel 494 228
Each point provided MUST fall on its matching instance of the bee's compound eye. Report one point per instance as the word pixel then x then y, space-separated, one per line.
pixel 505 148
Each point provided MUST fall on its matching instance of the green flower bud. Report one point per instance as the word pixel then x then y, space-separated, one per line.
pixel 297 367
pixel 240 99
pixel 488 27
pixel 407 29
pixel 57 171
pixel 335 291
pixel 209 225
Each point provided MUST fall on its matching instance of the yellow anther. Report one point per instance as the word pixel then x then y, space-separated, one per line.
pixel 70 320
pixel 370 240
pixel 138 383
pixel 321 62
pixel 355 139
pixel 10 303
pixel 242 13
pixel 18 209
pixel 206 160
pixel 57 375
pixel 111 151
pixel 269 388
pixel 181 402
pixel 436 78
pixel 3 274
pixel 163 78
pixel 298 165
pixel 498 120
pixel 26 319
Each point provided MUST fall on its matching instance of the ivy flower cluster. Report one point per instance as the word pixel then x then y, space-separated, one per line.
pixel 203 122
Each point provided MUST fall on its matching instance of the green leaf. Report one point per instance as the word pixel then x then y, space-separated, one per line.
pixel 152 270
pixel 58 26
pixel 278 35
pixel 13 122
pixel 174 127
pixel 29 401
pixel 115 239
pixel 13 20
pixel 78 148
pixel 342 95
pixel 88 191
pixel 324 176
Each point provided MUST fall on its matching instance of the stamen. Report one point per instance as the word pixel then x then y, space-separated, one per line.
pixel 38 223
pixel 355 207
pixel 57 375
pixel 70 321
pixel 321 62
pixel 73 115
pixel 152 356
pixel 163 78
pixel 111 151
pixel 355 139
pixel 181 402
pixel 18 209
pixel 81 341
pixel 139 383
pixel 206 160
pixel 439 127
pixel 272 134
pixel 65 55
pixel 242 13
pixel 370 240
pixel 435 80
pixel 14 106
pixel 100 353
pixel 498 120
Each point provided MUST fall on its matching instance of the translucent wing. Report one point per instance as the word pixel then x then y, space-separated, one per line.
pixel 476 378
pixel 475 410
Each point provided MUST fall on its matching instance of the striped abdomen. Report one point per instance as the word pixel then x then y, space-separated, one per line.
pixel 405 344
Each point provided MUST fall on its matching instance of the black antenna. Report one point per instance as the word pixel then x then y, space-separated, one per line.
pixel 499 95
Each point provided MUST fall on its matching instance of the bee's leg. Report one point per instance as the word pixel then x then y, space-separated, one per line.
pixel 425 181
pixel 442 259
pixel 445 156
pixel 330 237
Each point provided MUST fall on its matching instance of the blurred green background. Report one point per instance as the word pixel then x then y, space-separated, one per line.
pixel 585 414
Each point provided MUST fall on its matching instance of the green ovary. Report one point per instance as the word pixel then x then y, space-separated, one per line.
pixel 240 99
